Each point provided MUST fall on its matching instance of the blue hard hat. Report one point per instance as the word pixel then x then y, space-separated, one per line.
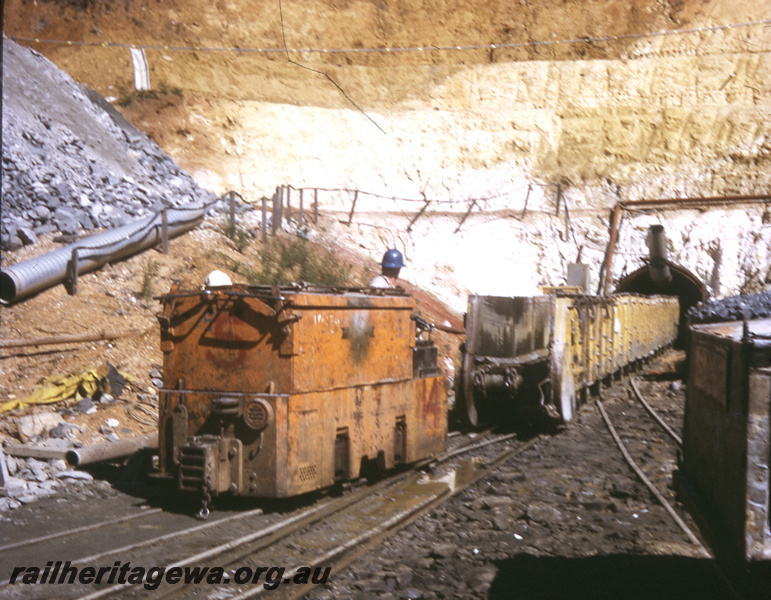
pixel 392 259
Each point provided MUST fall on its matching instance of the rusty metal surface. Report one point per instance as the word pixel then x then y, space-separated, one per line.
pixel 369 416
pixel 235 342
pixel 503 334
pixel 111 450
pixel 265 389
pixel 510 327
pixel 727 436
pixel 735 329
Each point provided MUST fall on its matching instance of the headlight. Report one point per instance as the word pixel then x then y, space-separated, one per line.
pixel 258 414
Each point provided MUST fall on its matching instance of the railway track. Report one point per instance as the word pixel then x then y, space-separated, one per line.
pixel 650 447
pixel 636 427
pixel 248 540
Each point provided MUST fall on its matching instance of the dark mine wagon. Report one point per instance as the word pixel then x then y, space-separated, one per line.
pixel 724 472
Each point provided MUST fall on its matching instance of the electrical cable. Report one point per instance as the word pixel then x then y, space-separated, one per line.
pixel 342 91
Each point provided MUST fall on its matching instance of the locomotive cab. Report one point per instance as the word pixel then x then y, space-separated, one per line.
pixel 275 392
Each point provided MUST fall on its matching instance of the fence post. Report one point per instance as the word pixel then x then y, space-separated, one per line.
pixel 288 203
pixel 264 219
pixel 300 216
pixel 276 214
pixel 417 216
pixel 164 231
pixel 468 212
pixel 353 206
pixel 316 206
pixel 281 206
pixel 567 218
pixel 527 197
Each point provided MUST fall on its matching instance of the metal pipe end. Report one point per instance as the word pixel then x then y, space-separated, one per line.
pixel 73 458
pixel 7 287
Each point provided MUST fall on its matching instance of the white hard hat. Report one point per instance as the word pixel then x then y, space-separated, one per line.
pixel 217 279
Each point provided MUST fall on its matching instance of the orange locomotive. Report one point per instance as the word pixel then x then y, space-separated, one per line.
pixel 274 392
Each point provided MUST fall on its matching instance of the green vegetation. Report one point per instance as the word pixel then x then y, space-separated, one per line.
pixel 285 260
pixel 237 233
pixel 128 97
pixel 149 275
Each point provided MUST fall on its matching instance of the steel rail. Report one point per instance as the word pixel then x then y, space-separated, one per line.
pixel 167 536
pixel 388 529
pixel 157 539
pixel 363 538
pixel 212 551
pixel 286 529
pixel 721 575
pixel 649 484
pixel 76 530
pixel 654 414
pixel 275 532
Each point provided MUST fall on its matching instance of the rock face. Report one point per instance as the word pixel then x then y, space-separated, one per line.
pixel 71 163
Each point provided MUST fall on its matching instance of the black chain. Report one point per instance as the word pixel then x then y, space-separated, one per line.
pixel 203 513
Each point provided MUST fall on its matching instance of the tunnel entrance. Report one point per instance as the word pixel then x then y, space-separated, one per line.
pixel 662 277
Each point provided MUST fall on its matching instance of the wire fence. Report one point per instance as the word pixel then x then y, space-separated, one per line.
pixel 301 205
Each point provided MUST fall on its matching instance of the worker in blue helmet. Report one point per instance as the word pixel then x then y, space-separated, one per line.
pixel 392 263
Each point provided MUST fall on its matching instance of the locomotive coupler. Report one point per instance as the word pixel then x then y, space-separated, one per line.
pixel 211 465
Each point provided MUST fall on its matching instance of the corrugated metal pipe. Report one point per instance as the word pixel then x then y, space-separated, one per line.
pixel 30 276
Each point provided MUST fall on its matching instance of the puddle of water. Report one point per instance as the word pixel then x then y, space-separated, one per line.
pixel 456 478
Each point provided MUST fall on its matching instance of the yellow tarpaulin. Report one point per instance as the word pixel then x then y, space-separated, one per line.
pixel 63 388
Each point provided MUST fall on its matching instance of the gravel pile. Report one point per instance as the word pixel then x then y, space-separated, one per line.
pixel 732 308
pixel 30 479
pixel 70 162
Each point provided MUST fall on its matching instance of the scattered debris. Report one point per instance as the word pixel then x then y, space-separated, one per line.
pixel 35 425
pixel 34 451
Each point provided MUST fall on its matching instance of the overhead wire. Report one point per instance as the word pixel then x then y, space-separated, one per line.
pixel 337 85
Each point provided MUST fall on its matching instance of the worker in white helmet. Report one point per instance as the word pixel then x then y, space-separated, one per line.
pixel 217 279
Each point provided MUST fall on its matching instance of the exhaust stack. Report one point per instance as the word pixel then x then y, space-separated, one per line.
pixel 658 270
